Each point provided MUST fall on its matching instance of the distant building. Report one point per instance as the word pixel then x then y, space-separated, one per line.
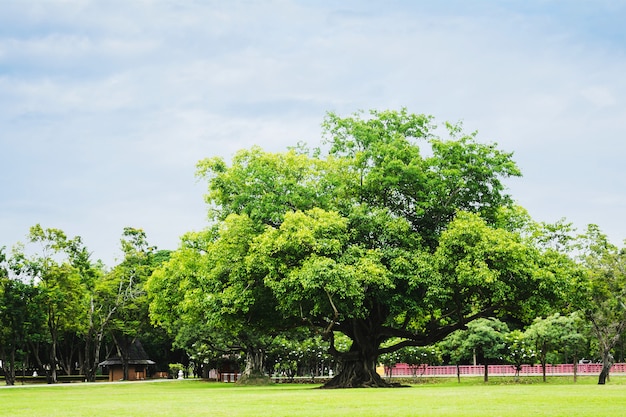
pixel 138 363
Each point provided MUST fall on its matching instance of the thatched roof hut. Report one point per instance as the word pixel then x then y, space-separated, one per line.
pixel 137 362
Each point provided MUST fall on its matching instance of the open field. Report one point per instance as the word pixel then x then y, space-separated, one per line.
pixel 197 398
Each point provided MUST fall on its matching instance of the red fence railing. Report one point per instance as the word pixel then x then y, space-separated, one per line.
pixel 402 369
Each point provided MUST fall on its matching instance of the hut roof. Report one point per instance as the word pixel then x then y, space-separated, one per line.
pixel 136 356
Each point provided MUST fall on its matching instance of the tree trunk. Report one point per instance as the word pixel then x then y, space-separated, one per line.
pixel 52 376
pixel 96 357
pixel 93 342
pixel 8 366
pixel 486 375
pixel 255 360
pixel 34 347
pixel 92 355
pixel 603 375
pixel 123 346
pixel 125 356
pixel 54 338
pixel 542 349
pixel 254 373
pixel 87 368
pixel 607 363
pixel 358 367
pixel 357 374
pixel 65 355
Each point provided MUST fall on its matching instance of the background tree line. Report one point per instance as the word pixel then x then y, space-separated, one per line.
pixel 62 312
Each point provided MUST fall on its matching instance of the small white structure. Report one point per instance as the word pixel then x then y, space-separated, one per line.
pixel 180 374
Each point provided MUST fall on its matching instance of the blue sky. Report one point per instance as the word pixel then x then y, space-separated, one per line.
pixel 106 106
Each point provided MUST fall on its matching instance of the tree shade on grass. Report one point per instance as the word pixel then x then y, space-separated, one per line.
pixel 195 398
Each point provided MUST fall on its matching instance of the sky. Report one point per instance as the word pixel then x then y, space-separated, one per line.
pixel 107 106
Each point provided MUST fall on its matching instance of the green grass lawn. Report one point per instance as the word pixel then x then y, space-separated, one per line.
pixel 196 398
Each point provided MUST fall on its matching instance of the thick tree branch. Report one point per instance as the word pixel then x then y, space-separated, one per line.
pixel 335 312
pixel 433 336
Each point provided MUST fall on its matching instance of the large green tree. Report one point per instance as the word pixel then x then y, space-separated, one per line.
pixel 518 351
pixel 545 334
pixel 394 234
pixel 486 338
pixel 605 295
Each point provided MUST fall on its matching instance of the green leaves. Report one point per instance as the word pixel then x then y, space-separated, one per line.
pixel 262 185
pixel 314 231
pixel 383 151
pixel 303 260
pixel 484 265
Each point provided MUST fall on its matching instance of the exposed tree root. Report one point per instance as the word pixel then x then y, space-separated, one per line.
pixel 358 375
pixel 254 379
